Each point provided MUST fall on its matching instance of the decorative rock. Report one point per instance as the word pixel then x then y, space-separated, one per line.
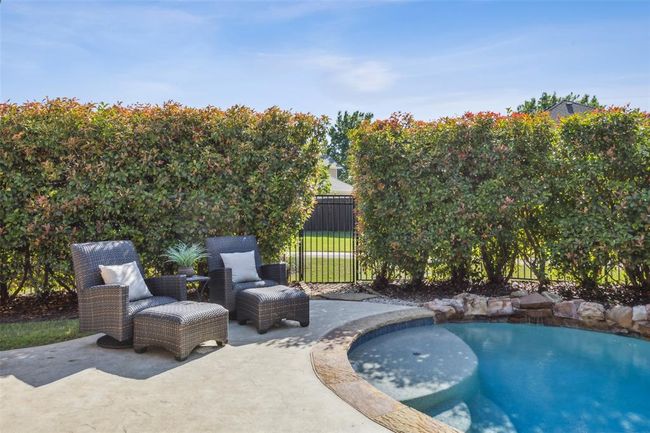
pixel 619 315
pixel 474 305
pixel 553 297
pixel 567 309
pixel 639 313
pixel 537 313
pixel 518 294
pixel 499 307
pixel 534 301
pixel 642 328
pixel 457 304
pixel 441 312
pixel 591 312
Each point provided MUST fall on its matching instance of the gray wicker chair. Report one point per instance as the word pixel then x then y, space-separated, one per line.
pixel 222 290
pixel 106 308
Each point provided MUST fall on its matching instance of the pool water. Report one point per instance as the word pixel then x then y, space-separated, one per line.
pixel 514 378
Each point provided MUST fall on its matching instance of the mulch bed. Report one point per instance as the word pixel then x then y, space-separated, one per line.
pixel 609 295
pixel 56 306
pixel 63 305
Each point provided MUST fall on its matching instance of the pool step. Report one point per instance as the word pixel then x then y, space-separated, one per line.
pixel 420 367
pixel 488 417
pixel 478 415
pixel 458 416
pixel 432 370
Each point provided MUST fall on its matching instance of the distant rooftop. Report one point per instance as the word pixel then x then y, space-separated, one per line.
pixel 329 161
pixel 567 108
pixel 338 187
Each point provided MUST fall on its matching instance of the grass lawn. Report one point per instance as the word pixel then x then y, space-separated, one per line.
pixel 323 270
pixel 37 333
pixel 328 241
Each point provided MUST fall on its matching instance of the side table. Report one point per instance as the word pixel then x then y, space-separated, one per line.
pixel 201 282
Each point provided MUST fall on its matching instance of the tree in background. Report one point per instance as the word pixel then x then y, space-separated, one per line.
pixel 546 101
pixel 339 142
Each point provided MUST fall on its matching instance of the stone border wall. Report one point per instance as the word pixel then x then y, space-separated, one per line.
pixel 547 309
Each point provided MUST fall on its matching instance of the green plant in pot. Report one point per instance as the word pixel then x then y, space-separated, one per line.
pixel 185 256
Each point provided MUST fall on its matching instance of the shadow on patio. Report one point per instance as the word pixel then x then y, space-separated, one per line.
pixel 38 366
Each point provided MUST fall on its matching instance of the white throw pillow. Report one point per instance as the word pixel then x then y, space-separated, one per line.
pixel 127 274
pixel 242 265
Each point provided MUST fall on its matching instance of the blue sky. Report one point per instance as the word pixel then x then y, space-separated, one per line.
pixel 428 58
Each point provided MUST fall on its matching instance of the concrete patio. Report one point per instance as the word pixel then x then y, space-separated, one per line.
pixel 258 383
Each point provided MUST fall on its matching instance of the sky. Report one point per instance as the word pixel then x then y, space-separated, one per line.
pixel 432 59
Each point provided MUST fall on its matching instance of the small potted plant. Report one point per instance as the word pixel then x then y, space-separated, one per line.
pixel 185 256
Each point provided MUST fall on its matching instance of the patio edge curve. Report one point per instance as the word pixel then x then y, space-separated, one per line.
pixel 329 359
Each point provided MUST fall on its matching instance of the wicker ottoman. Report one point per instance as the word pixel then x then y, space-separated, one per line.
pixel 180 326
pixel 266 305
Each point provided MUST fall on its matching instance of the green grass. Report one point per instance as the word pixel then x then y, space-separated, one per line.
pixel 26 334
pixel 326 270
pixel 328 241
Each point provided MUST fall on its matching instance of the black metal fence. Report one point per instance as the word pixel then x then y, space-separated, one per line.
pixel 325 250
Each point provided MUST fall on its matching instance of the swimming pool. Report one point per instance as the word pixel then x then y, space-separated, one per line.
pixel 498 377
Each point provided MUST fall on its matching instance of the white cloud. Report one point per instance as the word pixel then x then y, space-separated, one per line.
pixel 358 75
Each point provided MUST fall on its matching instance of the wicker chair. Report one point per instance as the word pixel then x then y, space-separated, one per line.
pixel 222 290
pixel 106 308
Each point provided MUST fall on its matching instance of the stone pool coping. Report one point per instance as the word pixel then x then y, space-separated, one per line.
pixel 330 362
pixel 542 309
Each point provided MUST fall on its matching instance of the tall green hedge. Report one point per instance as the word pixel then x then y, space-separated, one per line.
pixel 467 198
pixel 603 206
pixel 72 172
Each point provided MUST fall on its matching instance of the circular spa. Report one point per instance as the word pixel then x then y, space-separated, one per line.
pixel 499 377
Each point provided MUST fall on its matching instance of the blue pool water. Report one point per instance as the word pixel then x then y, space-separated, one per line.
pixel 506 378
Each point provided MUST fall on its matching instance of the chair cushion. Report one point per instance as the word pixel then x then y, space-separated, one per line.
pixel 230 244
pixel 242 265
pixel 254 284
pixel 127 274
pixel 273 294
pixel 137 306
pixel 184 312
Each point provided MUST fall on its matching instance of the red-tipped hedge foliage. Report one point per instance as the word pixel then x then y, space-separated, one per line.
pixel 465 198
pixel 72 172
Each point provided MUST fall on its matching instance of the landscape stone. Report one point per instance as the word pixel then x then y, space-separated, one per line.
pixel 518 293
pixel 642 328
pixel 619 315
pixel 475 305
pixel 457 304
pixel 553 297
pixel 567 309
pixel 499 307
pixel 591 312
pixel 639 313
pixel 537 313
pixel 441 312
pixel 534 301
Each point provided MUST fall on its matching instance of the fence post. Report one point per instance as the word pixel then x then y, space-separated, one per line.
pixel 301 258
